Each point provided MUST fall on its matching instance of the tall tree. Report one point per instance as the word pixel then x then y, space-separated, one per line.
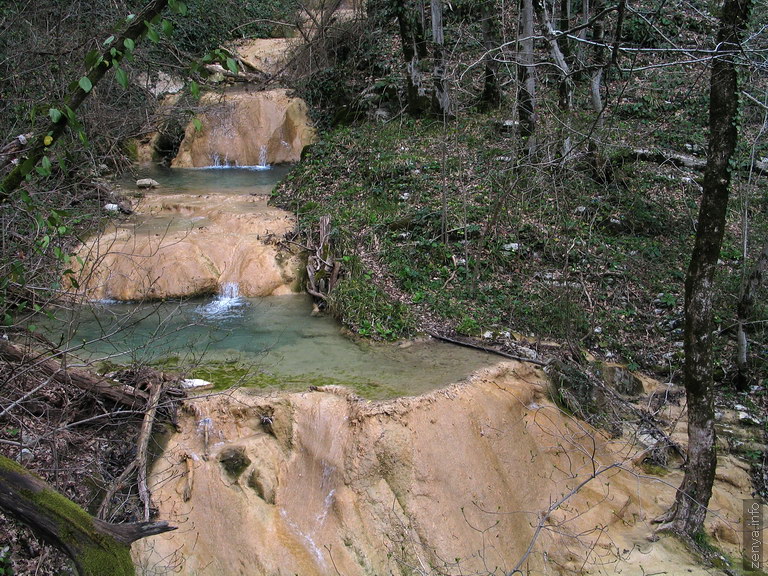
pixel 490 21
pixel 686 517
pixel 441 101
pixel 410 16
pixel 526 95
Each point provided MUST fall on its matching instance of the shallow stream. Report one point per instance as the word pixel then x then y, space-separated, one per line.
pixel 272 342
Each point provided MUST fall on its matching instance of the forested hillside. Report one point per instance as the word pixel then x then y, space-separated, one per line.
pixel 523 177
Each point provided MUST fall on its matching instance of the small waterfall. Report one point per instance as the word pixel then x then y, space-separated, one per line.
pixel 227 303
pixel 263 165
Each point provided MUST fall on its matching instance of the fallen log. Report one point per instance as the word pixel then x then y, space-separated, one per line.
pixel 97 548
pixel 83 379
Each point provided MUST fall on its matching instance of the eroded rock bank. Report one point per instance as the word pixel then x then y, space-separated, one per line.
pixel 453 482
pixel 244 127
pixel 180 245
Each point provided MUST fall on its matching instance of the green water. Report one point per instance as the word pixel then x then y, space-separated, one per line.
pixel 271 343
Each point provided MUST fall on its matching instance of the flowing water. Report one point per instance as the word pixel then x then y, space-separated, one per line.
pixel 272 342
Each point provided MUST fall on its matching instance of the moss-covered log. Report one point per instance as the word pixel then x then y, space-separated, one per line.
pixel 97 548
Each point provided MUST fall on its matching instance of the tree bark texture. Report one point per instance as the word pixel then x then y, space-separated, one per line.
pixel 743 313
pixel 415 53
pixel 490 22
pixel 97 548
pixel 55 129
pixel 526 96
pixel 441 101
pixel 690 507
pixel 567 86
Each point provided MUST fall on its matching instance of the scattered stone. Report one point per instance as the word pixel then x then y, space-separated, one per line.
pixel 111 208
pixel 147 183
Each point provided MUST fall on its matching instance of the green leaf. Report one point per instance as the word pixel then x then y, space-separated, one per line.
pixel 109 41
pixel 130 18
pixel 85 84
pixel 45 167
pixel 194 89
pixel 54 114
pixel 197 123
pixel 122 77
pixel 93 58
pixel 152 33
pixel 129 44
pixel 167 26
pixel 44 242
pixel 232 65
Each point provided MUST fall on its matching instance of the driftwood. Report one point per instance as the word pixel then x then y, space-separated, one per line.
pixel 138 465
pixel 679 160
pixel 83 379
pixel 322 268
pixel 97 548
pixel 486 349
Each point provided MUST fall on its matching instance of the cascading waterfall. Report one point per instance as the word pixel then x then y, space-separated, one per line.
pixel 263 158
pixel 226 304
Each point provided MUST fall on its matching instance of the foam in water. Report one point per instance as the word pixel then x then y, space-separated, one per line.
pixel 224 162
pixel 226 305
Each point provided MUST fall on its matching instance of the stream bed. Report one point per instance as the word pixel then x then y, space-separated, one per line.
pixel 273 342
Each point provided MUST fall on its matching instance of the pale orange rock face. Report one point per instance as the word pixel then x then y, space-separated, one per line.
pixel 193 245
pixel 458 479
pixel 243 128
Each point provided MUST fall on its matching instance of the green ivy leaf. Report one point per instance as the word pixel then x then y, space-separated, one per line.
pixel 197 123
pixel 109 41
pixel 167 26
pixel 93 58
pixel 54 114
pixel 129 44
pixel 232 65
pixel 85 84
pixel 152 33
pixel 122 77
pixel 194 89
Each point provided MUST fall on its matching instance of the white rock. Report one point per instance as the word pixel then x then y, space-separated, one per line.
pixel 147 183
pixel 196 383
pixel 111 208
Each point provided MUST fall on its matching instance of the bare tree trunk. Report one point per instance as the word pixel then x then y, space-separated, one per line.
pixel 743 312
pixel 566 87
pixel 490 19
pixel 690 508
pixel 415 52
pixel 526 95
pixel 441 101
pixel 97 548
pixel 55 129
pixel 600 61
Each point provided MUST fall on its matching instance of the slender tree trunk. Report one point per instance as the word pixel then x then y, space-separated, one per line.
pixel 599 63
pixel 566 87
pixel 441 101
pixel 490 19
pixel 55 129
pixel 411 25
pixel 743 312
pixel 526 94
pixel 690 508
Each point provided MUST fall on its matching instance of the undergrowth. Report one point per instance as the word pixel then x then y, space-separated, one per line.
pixel 436 227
